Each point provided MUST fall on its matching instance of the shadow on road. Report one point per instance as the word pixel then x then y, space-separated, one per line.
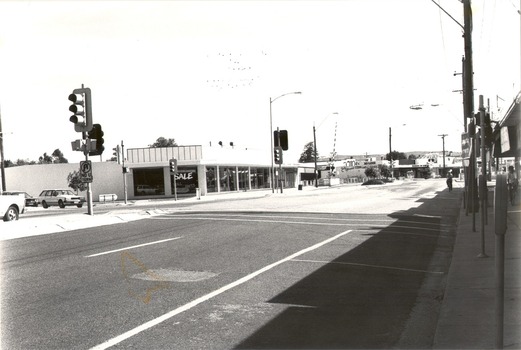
pixel 365 298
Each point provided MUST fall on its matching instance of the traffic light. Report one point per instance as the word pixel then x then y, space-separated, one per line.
pixel 96 133
pixel 283 135
pixel 81 107
pixel 277 155
pixel 173 166
pixel 488 128
pixel 116 153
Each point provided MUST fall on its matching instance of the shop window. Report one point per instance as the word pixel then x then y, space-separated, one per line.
pixel 211 179
pixel 244 175
pixel 148 182
pixel 227 179
pixel 186 181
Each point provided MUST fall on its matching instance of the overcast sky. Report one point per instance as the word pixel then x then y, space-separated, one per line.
pixel 204 71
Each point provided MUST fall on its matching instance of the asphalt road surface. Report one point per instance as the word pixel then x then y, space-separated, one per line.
pixel 348 268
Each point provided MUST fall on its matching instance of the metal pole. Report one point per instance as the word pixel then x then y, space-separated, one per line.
pixel 390 154
pixel 124 171
pixel 500 228
pixel 483 182
pixel 271 147
pixel 443 142
pixel 315 149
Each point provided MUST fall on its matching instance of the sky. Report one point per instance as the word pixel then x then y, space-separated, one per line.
pixel 201 72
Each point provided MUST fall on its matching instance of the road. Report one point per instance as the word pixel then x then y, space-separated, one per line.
pixel 349 267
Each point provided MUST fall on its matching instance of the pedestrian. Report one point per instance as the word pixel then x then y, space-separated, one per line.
pixel 449 180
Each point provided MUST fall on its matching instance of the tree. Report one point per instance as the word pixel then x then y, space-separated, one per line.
pixel 162 142
pixel 385 170
pixel 395 155
pixel 74 181
pixel 308 155
pixel 45 159
pixel 58 156
pixel 372 172
pixel 55 157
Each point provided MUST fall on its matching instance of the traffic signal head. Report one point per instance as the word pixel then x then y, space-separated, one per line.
pixel 277 155
pixel 173 166
pixel 283 136
pixel 81 107
pixel 96 133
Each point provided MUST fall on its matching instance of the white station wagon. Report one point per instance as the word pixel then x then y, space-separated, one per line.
pixel 61 198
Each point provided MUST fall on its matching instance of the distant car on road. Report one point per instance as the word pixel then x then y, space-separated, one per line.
pixel 30 201
pixel 61 198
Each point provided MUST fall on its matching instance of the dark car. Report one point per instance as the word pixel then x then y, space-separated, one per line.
pixel 30 201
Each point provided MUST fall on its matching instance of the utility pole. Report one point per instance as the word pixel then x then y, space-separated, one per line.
pixel 468 94
pixel 443 140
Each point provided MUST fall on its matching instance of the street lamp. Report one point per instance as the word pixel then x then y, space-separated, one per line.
pixel 315 147
pixel 271 135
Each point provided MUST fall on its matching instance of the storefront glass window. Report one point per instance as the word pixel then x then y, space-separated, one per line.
pixel 148 182
pixel 211 179
pixel 186 181
pixel 227 178
pixel 259 178
pixel 243 179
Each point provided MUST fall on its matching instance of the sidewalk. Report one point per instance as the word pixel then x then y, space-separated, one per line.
pixel 467 318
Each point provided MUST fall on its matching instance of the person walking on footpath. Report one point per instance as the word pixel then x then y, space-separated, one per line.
pixel 449 180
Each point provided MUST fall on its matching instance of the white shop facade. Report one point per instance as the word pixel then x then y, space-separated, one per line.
pixel 201 171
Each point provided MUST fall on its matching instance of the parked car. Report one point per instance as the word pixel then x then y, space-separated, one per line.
pixel 143 190
pixel 61 198
pixel 30 201
pixel 11 207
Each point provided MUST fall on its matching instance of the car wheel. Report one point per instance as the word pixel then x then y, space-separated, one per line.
pixel 11 214
pixel 45 205
pixel 79 205
pixel 60 204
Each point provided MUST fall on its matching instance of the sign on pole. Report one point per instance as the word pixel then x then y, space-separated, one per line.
pixel 86 171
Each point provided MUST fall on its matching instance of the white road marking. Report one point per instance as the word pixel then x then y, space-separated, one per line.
pixel 193 303
pixel 221 217
pixel 254 220
pixel 132 247
pixel 367 265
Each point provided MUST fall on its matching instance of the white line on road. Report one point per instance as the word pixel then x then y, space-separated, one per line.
pixel 134 246
pixel 193 303
pixel 367 265
pixel 252 220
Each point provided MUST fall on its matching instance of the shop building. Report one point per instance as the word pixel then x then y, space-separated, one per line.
pixel 201 170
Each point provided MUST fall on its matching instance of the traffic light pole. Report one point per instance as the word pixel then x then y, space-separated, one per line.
pixel 89 187
pixel 124 171
pixel 280 165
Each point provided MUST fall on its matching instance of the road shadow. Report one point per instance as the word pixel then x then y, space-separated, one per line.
pixel 365 298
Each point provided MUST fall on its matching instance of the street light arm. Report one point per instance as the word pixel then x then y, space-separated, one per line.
pixel 287 93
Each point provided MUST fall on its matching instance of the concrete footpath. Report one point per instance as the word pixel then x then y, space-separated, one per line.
pixel 468 314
